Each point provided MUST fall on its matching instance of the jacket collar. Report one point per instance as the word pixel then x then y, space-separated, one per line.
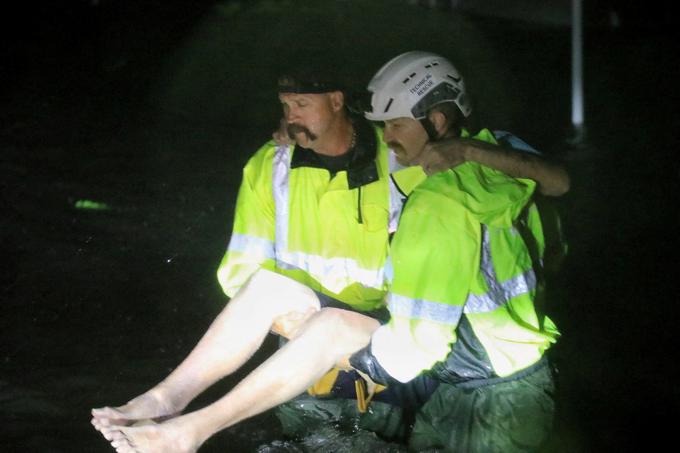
pixel 362 168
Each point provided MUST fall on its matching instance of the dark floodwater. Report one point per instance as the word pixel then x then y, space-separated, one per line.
pixel 97 305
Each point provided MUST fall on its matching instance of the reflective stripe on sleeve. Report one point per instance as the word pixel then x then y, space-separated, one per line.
pixel 499 293
pixel 251 245
pixel 423 309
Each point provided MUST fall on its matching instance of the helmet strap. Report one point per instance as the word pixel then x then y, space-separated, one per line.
pixel 430 129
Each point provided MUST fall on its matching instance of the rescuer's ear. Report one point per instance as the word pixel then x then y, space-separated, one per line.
pixel 438 120
pixel 337 100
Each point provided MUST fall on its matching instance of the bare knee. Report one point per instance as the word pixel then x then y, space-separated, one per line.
pixel 288 325
pixel 271 295
pixel 349 330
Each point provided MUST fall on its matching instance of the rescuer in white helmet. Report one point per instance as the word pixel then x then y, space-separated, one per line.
pixel 465 278
pixel 411 84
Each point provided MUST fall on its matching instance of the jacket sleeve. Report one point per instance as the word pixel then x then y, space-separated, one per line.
pixel 493 198
pixel 251 246
pixel 434 256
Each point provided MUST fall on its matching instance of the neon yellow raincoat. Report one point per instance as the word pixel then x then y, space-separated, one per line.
pixel 329 232
pixel 460 255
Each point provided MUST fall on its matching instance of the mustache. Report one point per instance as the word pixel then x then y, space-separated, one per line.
pixel 293 129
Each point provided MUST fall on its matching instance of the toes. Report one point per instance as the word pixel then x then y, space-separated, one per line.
pixel 121 443
pixel 109 433
pixel 97 424
pixel 104 415
pixel 108 416
pixel 102 412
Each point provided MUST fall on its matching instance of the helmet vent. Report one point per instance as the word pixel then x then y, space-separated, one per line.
pixel 408 78
pixel 389 104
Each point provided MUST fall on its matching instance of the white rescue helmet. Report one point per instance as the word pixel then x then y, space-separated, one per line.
pixel 412 83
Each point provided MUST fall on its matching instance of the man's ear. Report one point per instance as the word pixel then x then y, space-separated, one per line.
pixel 438 120
pixel 337 100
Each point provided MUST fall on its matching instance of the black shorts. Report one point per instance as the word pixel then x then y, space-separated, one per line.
pixel 382 314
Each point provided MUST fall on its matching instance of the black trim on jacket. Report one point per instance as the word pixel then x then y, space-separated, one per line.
pixel 362 168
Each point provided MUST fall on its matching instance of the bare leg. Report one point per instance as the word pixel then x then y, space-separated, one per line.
pixel 236 333
pixel 327 338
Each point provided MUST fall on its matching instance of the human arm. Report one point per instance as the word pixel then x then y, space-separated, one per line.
pixel 551 178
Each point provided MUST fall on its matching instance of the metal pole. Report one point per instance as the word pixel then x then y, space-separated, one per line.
pixel 577 116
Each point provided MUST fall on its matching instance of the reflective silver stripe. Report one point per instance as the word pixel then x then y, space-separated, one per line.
pixel 334 274
pixel 396 197
pixel 423 309
pixel 280 175
pixel 396 206
pixel 499 293
pixel 389 270
pixel 251 245
pixel 516 286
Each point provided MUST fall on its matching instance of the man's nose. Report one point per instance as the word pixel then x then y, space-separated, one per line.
pixel 291 115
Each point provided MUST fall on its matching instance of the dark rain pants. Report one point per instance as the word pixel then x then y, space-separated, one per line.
pixel 505 417
pixel 307 414
pixel 390 415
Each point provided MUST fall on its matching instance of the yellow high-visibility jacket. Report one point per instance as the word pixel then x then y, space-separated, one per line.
pixel 327 231
pixel 462 280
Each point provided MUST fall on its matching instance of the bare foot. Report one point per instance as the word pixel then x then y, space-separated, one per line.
pixel 172 436
pixel 148 406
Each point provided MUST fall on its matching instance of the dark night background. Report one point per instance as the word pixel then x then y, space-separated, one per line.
pixel 153 107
